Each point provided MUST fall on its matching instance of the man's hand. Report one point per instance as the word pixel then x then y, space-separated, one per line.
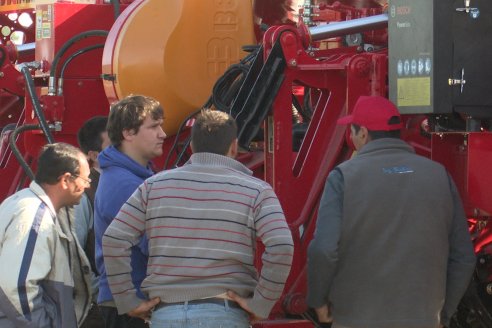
pixel 144 310
pixel 323 313
pixel 243 302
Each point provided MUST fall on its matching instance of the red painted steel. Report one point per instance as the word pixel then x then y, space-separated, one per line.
pixel 331 74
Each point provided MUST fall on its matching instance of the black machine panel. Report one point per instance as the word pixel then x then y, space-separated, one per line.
pixel 440 56
pixel 472 56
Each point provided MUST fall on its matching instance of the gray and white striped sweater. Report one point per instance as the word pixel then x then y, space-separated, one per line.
pixel 202 221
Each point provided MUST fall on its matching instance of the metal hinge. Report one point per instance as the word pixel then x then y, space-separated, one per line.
pixel 474 12
pixel 109 77
pixel 461 82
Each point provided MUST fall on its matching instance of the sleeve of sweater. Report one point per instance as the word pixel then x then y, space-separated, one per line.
pixel 323 249
pixel 461 259
pixel 273 231
pixel 124 232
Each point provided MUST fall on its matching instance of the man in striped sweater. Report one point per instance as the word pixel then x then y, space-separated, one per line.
pixel 202 221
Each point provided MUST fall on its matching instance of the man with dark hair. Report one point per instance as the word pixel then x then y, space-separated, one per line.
pixel 135 130
pixel 92 138
pixel 202 221
pixel 39 254
pixel 391 247
pixel 213 132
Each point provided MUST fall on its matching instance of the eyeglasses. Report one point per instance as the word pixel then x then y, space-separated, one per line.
pixel 87 181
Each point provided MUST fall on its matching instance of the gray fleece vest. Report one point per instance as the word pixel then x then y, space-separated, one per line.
pixel 397 213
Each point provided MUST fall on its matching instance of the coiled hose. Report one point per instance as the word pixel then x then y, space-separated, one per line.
pixel 223 94
pixel 61 52
pixel 12 142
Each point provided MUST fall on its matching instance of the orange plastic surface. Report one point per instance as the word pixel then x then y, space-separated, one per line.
pixel 175 50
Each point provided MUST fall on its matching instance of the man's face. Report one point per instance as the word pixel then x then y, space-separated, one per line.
pixel 147 142
pixel 78 183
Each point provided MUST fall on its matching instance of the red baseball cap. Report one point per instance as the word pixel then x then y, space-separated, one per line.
pixel 374 113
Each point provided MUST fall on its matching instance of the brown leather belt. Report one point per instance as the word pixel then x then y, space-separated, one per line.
pixel 212 300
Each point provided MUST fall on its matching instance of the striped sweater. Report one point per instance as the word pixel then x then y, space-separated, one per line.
pixel 203 221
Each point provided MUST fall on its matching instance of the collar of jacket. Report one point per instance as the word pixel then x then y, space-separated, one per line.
pixel 386 144
pixel 211 159
pixel 41 194
pixel 112 157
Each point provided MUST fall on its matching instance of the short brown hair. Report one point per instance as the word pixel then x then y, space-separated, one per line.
pixel 55 160
pixel 213 132
pixel 129 114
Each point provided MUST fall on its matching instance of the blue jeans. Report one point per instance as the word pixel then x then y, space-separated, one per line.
pixel 199 316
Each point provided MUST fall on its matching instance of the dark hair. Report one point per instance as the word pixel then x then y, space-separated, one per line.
pixel 213 132
pixel 55 160
pixel 395 134
pixel 129 114
pixel 89 135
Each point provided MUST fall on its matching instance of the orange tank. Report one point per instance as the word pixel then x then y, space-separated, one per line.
pixel 174 51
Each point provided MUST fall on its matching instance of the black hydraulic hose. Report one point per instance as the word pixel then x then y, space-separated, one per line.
pixel 180 129
pixel 36 105
pixel 182 152
pixel 16 151
pixel 69 43
pixel 226 87
pixel 69 59
pixel 116 8
pixel 78 53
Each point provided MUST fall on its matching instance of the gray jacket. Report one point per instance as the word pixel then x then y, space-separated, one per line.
pixel 392 247
pixel 46 276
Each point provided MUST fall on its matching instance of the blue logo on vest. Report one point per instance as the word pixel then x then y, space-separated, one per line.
pixel 397 170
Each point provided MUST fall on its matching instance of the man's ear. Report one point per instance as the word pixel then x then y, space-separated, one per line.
pixel 64 180
pixel 128 134
pixel 364 133
pixel 232 153
pixel 92 156
pixel 192 147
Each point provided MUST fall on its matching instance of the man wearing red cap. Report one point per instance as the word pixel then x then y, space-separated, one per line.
pixel 391 248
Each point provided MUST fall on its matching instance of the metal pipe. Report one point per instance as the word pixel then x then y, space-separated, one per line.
pixel 331 30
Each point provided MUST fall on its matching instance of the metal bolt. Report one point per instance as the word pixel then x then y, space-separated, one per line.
pixel 489 289
pixel 293 62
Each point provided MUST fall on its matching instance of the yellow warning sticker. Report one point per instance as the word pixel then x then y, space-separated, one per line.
pixel 414 91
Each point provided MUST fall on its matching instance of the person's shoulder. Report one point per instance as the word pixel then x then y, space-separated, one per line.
pixel 25 193
pixel 428 162
pixel 164 174
pixel 23 200
pixel 257 183
pixel 27 211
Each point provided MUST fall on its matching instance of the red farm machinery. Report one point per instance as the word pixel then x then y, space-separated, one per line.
pixel 286 70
